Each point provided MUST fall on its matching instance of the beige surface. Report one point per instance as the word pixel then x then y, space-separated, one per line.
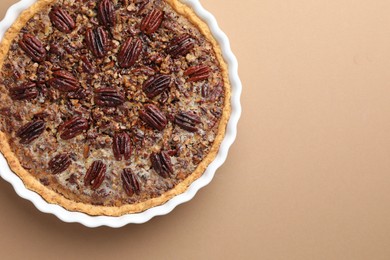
pixel 309 175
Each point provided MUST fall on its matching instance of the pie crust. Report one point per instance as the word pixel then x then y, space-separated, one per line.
pixel 55 198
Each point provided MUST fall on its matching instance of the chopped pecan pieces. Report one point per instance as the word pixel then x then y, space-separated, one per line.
pixel 155 85
pixel 87 65
pixel 33 47
pixel 152 116
pixel 106 13
pixel 129 52
pixel 197 73
pixel 62 20
pixel 152 21
pixel 161 163
pixel 73 127
pixel 121 146
pixel 64 81
pixel 187 121
pixel 95 175
pixel 180 45
pixel 26 91
pixel 216 93
pixel 130 182
pixel 108 97
pixel 97 41
pixel 59 163
pixel 31 131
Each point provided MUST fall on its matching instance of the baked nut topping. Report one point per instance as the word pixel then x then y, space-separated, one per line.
pixel 59 163
pixel 156 85
pixel 161 163
pixel 153 117
pixel 152 21
pixel 187 121
pixel 30 131
pixel 115 105
pixel 181 45
pixel 197 73
pixel 64 81
pixel 106 13
pixel 130 182
pixel 33 47
pixel 108 97
pixel 129 52
pixel 95 175
pixel 121 146
pixel 97 41
pixel 73 127
pixel 25 91
pixel 62 20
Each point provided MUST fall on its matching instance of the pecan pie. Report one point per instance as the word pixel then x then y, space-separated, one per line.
pixel 111 107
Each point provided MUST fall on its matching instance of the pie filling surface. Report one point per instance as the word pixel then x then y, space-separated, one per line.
pixel 111 103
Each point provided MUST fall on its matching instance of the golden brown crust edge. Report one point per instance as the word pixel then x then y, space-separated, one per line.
pixel 54 198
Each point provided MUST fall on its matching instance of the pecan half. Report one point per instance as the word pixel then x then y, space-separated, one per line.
pixel 121 146
pixel 64 81
pixel 155 85
pixel 106 13
pixel 130 182
pixel 129 52
pixel 26 91
pixel 59 163
pixel 97 41
pixel 108 97
pixel 180 45
pixel 62 20
pixel 152 21
pixel 197 73
pixel 161 163
pixel 187 121
pixel 73 127
pixel 95 175
pixel 153 117
pixel 30 131
pixel 33 47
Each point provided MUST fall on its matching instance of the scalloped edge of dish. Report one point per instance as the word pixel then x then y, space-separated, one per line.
pixel 138 218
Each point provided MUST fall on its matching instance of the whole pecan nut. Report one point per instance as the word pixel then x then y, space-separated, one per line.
pixel 153 117
pixel 62 20
pixel 161 163
pixel 95 174
pixel 155 85
pixel 197 73
pixel 187 121
pixel 180 45
pixel 106 13
pixel 59 163
pixel 130 182
pixel 73 127
pixel 33 47
pixel 97 41
pixel 26 91
pixel 108 97
pixel 152 21
pixel 30 131
pixel 121 146
pixel 64 81
pixel 129 52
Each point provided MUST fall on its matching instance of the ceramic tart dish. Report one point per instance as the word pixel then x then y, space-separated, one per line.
pixel 112 108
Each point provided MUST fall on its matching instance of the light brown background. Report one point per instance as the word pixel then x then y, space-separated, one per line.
pixel 309 174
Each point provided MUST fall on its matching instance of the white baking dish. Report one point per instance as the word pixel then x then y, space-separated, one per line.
pixel 95 221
